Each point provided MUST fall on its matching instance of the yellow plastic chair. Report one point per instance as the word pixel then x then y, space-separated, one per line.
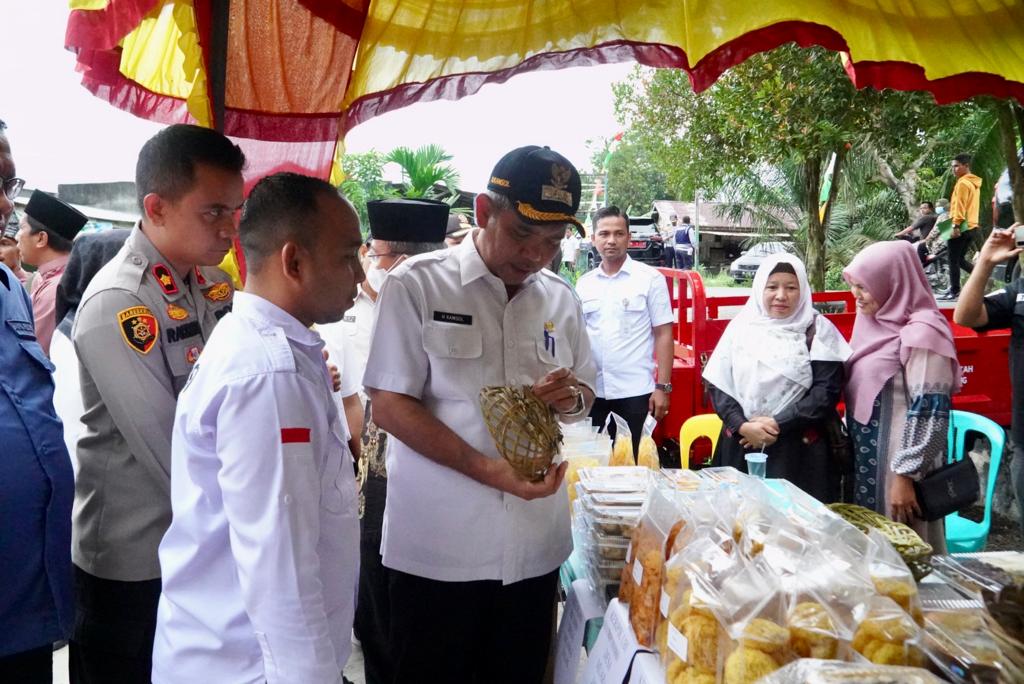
pixel 705 425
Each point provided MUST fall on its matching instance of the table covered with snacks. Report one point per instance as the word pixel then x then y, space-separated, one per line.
pixel 721 577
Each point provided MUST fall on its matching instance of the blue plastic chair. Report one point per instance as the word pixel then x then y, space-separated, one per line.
pixel 963 535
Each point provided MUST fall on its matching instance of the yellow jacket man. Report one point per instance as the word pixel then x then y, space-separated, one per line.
pixel 963 207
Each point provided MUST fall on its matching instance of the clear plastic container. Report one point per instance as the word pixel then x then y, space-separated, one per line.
pixel 612 520
pixel 609 547
pixel 615 479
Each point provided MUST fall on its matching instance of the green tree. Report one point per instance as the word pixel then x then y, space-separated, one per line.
pixel 778 119
pixel 364 180
pixel 633 179
pixel 423 168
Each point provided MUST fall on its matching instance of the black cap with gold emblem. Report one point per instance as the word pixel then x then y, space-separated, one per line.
pixel 544 186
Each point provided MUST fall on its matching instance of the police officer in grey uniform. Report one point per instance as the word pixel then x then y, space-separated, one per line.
pixel 140 328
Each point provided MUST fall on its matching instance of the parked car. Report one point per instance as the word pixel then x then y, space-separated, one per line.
pixel 746 266
pixel 645 243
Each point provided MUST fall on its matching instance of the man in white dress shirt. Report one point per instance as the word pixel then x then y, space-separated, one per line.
pixel 259 564
pixel 474 548
pixel 399 229
pixel 629 320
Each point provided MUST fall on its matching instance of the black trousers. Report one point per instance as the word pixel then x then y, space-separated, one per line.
pixel 957 255
pixel 632 409
pixel 34 666
pixel 471 632
pixel 373 611
pixel 114 627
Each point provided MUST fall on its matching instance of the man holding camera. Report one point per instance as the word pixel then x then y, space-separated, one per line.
pixel 999 310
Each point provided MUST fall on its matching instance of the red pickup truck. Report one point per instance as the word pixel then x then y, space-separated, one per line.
pixel 984 357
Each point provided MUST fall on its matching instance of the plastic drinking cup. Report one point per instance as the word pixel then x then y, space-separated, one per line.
pixel 757 464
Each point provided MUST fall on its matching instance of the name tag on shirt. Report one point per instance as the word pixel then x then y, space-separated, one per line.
pixel 460 319
pixel 1020 297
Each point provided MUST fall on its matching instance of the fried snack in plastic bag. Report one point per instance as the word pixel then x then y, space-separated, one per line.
pixel 813 671
pixel 572 473
pixel 647 455
pixel 751 609
pixel 883 632
pixel 892 577
pixel 690 651
pixel 660 515
pixel 622 448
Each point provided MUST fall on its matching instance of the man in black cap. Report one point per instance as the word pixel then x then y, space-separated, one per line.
pixel 399 229
pixel 44 240
pixel 458 228
pixel 472 547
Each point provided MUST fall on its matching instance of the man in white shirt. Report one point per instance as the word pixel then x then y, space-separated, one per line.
pixel 260 561
pixel 629 321
pixel 399 229
pixel 570 250
pixel 474 548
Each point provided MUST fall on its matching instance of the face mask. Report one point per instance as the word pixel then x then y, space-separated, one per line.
pixel 375 278
pixel 940 210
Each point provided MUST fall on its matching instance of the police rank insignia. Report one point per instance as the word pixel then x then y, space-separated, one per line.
pixel 139 328
pixel 200 280
pixel 192 354
pixel 165 279
pixel 176 312
pixel 218 293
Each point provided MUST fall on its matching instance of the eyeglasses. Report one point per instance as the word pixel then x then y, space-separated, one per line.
pixel 12 187
pixel 374 255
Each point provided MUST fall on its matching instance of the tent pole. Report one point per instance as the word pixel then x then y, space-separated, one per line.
pixel 219 60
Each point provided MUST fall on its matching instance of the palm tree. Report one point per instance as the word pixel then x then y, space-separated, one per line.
pixel 423 168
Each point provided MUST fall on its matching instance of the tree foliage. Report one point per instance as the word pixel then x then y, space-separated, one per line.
pixel 364 181
pixel 774 122
pixel 423 168
pixel 633 179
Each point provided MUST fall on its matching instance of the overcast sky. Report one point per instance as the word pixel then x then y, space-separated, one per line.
pixel 60 133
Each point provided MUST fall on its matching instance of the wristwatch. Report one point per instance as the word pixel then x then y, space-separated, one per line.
pixel 665 387
pixel 579 407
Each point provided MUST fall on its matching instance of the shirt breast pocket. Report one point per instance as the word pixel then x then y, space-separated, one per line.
pixel 591 311
pixel 634 310
pixel 554 354
pixel 456 360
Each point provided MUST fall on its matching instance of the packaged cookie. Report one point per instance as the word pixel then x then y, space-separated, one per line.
pixel 660 518
pixel 622 447
pixel 689 642
pixel 750 606
pixel 647 453
pixel 892 577
pixel 885 632
pixel 961 644
pixel 813 671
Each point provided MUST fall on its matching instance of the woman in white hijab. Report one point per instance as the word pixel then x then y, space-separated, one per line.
pixel 775 378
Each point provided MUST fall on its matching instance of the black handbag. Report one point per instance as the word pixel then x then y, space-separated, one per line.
pixel 949 489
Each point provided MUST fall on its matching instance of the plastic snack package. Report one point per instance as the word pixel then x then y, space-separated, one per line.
pixel 622 448
pixel 751 609
pixel 962 645
pixel 814 671
pixel 885 632
pixel 689 646
pixel 648 451
pixel 891 576
pixel 661 517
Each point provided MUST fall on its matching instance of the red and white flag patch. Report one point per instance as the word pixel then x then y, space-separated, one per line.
pixel 295 435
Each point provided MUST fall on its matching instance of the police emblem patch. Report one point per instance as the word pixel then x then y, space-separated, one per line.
pixel 139 328
pixel 176 312
pixel 218 292
pixel 165 279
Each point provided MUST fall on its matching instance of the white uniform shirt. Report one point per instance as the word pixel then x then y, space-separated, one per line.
pixel 352 334
pixel 570 248
pixel 445 329
pixel 621 311
pixel 261 558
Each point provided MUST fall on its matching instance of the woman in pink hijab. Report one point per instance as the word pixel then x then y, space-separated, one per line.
pixel 900 379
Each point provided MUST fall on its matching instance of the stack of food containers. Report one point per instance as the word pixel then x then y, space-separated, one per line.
pixel 607 510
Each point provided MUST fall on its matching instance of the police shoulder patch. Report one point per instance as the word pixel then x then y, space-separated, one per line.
pixel 165 279
pixel 139 328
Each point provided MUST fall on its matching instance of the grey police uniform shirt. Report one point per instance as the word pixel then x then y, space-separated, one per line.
pixel 138 332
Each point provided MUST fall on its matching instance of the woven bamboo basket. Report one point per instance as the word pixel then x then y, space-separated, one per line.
pixel 914 550
pixel 523 427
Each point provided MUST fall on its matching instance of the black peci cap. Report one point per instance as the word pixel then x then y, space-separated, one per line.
pixel 543 186
pixel 408 220
pixel 61 218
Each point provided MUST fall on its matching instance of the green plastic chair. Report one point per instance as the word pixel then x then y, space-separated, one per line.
pixel 963 535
